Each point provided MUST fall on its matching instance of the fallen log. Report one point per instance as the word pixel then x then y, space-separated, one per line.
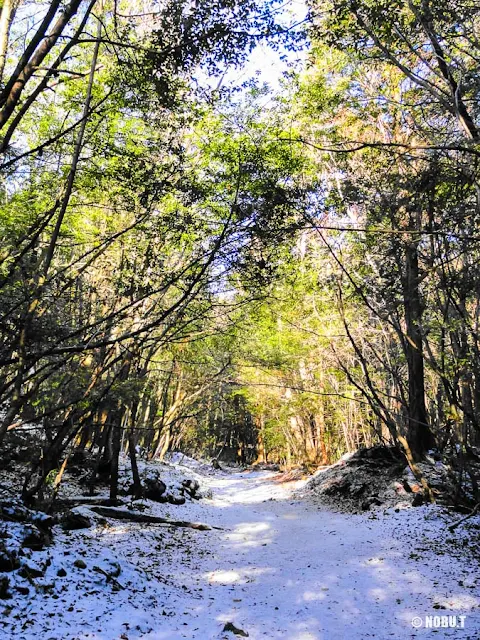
pixel 135 516
pixel 77 501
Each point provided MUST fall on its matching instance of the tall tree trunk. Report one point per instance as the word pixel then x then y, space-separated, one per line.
pixel 10 96
pixel 419 435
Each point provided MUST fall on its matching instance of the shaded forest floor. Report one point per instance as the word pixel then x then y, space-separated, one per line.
pixel 282 565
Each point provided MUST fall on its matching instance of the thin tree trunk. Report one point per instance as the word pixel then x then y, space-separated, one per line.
pixel 6 18
pixel 261 452
pixel 137 484
pixel 116 444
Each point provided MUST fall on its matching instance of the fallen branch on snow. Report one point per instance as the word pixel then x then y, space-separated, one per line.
pixel 474 511
pixel 111 577
pixel 134 516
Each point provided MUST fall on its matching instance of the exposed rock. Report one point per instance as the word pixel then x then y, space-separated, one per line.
pixel 80 564
pixel 229 626
pixel 191 487
pixel 73 520
pixel 5 593
pixel 370 502
pixel 42 520
pixel 154 488
pixel 30 570
pixel 418 499
pixel 15 510
pixel 61 573
pixel 166 482
pixel 36 539
pixel 8 561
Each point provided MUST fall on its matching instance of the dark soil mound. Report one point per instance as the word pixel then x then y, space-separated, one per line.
pixel 379 477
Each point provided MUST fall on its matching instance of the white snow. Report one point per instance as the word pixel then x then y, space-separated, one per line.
pixel 280 568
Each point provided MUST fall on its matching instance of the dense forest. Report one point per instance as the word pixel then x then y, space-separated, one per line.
pixel 195 258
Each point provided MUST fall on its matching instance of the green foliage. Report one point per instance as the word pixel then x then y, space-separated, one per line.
pixel 226 268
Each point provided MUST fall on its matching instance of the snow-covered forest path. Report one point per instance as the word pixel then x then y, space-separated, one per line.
pixel 280 567
pixel 284 568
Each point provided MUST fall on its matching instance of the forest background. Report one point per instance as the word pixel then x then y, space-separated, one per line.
pixel 251 272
